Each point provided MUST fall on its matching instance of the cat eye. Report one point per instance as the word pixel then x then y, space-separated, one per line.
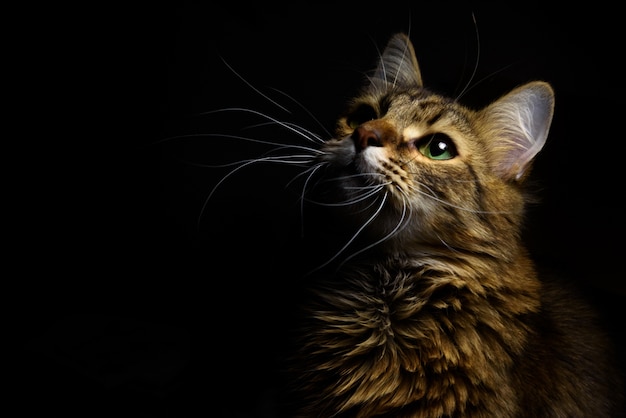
pixel 437 146
pixel 360 115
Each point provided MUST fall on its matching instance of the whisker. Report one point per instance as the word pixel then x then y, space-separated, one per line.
pixel 354 176
pixel 404 55
pixel 299 160
pixel 380 60
pixel 275 150
pixel 310 135
pixel 312 172
pixel 401 222
pixel 243 138
pixel 286 125
pixel 374 188
pixel 311 115
pixel 469 81
pixel 432 195
pixel 469 87
pixel 447 245
pixel 265 96
pixel 488 76
pixel 354 200
pixel 273 159
pixel 356 234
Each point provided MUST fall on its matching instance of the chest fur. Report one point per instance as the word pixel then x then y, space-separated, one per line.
pixel 407 340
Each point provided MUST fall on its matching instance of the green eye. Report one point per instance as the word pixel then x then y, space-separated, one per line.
pixel 437 147
pixel 360 115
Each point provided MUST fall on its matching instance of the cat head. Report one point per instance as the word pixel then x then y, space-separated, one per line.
pixel 413 167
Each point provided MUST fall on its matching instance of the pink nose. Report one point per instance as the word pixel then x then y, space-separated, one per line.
pixel 364 137
pixel 375 133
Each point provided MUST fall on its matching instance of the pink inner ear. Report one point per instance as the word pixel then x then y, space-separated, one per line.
pixel 520 122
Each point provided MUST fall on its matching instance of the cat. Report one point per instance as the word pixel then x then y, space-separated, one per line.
pixel 428 303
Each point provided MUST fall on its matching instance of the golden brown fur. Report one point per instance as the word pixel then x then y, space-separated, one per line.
pixel 435 309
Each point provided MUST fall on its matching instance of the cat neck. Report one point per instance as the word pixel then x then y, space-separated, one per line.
pixel 449 307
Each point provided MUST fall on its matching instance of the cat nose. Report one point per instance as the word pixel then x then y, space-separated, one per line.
pixel 364 137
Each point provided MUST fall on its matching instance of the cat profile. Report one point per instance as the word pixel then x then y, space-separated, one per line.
pixel 430 305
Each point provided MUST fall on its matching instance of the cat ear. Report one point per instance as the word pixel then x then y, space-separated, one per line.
pixel 519 123
pixel 398 65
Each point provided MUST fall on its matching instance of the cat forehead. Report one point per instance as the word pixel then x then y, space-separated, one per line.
pixel 418 104
pixel 420 109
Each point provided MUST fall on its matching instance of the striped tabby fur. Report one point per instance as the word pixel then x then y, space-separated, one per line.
pixel 436 310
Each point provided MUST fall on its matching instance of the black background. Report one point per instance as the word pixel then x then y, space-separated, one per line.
pixel 127 305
